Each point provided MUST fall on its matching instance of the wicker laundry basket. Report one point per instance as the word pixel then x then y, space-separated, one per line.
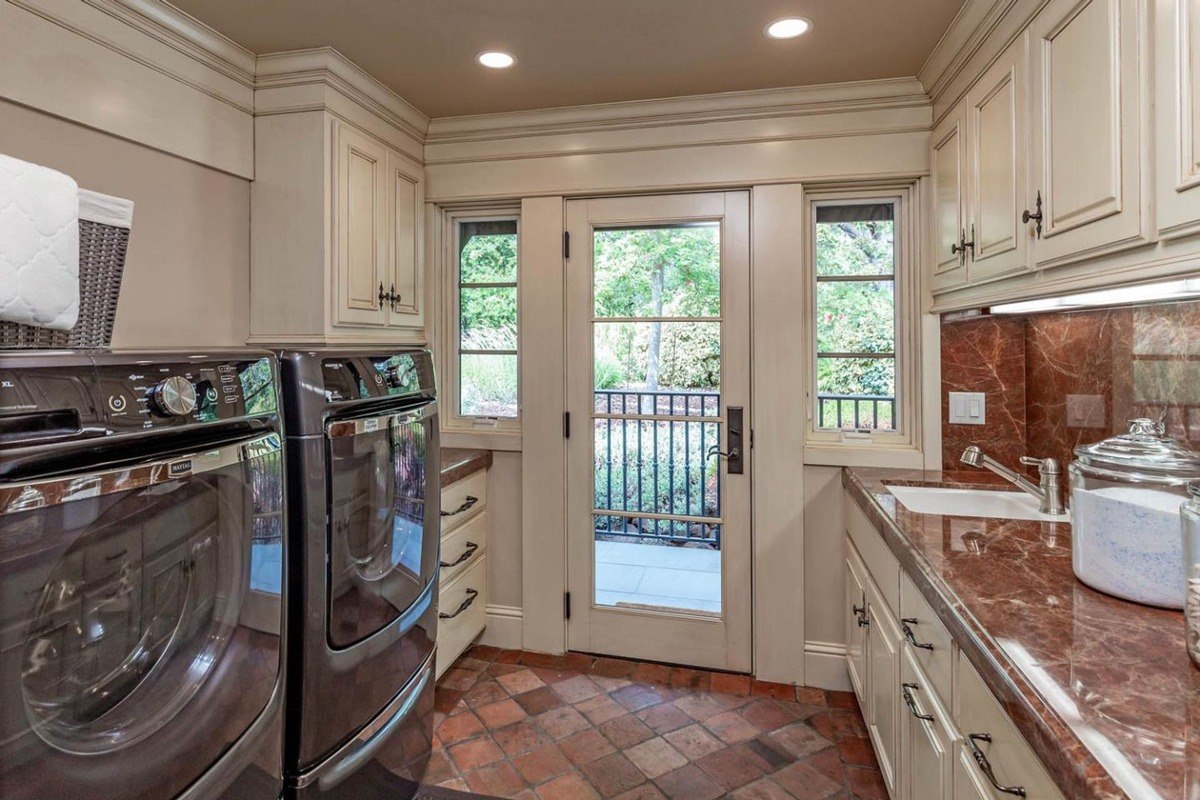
pixel 104 227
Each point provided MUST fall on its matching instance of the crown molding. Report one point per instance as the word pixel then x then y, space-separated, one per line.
pixel 328 67
pixel 726 106
pixel 184 33
pixel 976 37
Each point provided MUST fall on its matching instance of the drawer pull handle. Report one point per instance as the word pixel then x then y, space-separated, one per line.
pixel 907 689
pixel 464 605
pixel 117 555
pixel 985 766
pixel 466 553
pixel 912 638
pixel 470 501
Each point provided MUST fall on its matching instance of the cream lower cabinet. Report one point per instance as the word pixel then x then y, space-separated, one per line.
pixel 927 738
pixel 883 684
pixel 336 238
pixel 937 730
pixel 462 598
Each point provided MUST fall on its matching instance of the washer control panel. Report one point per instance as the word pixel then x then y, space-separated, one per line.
pixel 162 393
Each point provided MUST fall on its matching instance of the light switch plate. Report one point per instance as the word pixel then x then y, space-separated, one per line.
pixel 1086 411
pixel 968 408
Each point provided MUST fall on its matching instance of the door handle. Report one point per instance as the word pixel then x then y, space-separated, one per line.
pixel 733 441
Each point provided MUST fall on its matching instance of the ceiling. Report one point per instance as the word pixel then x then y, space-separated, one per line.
pixel 577 52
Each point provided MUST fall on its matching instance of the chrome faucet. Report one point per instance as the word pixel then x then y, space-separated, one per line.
pixel 1048 492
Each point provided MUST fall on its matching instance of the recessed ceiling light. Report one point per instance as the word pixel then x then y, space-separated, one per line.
pixel 495 59
pixel 788 27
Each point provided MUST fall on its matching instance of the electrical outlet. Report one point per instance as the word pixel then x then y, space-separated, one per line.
pixel 968 408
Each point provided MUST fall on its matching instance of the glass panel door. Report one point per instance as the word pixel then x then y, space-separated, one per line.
pixel 657 358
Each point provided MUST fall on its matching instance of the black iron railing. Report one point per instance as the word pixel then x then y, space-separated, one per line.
pixel 876 412
pixel 656 471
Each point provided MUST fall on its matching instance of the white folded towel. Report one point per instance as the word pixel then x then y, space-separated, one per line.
pixel 39 245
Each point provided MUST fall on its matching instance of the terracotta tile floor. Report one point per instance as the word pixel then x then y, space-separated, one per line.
pixel 577 727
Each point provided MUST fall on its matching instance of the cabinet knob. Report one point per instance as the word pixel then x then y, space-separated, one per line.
pixel 1036 216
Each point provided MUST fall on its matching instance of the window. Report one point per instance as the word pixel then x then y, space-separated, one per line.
pixel 486 269
pixel 855 321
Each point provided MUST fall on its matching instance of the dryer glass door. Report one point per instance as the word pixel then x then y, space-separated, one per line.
pixel 382 547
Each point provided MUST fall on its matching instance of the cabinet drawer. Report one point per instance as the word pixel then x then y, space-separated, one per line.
pixel 462 612
pixel 1012 763
pixel 928 640
pixel 880 562
pixel 463 500
pixel 927 736
pixel 462 547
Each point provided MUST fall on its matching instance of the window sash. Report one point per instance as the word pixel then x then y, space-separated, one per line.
pixel 459 285
pixel 850 209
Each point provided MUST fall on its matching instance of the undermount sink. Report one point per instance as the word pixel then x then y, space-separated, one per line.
pixel 972 503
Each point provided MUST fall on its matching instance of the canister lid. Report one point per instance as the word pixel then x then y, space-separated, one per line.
pixel 1145 453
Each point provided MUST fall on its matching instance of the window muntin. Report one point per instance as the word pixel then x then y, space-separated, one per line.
pixel 487 263
pixel 855 321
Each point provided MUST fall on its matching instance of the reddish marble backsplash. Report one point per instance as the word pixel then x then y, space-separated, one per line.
pixel 1055 381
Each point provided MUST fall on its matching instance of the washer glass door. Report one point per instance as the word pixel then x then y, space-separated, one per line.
pixel 140 620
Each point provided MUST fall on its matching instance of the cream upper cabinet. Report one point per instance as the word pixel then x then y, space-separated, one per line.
pixel 1177 45
pixel 336 233
pixel 1088 115
pixel 361 230
pixel 406 201
pixel 997 143
pixel 949 200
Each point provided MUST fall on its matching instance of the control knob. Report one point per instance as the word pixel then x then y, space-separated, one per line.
pixel 174 397
pixel 395 376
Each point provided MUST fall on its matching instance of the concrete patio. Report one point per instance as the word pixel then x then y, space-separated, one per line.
pixel 658 576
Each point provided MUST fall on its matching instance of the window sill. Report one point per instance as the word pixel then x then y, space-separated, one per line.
pixel 482 440
pixel 841 455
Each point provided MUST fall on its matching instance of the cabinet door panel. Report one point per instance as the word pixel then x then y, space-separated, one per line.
pixel 997 141
pixel 407 201
pixel 360 234
pixel 925 744
pixel 883 685
pixel 967 786
pixel 1088 115
pixel 1178 80
pixel 949 147
pixel 856 600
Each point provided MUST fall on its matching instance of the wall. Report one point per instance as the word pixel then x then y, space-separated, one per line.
pixel 1055 381
pixel 187 273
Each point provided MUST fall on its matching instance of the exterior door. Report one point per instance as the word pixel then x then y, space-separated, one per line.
pixel 658 482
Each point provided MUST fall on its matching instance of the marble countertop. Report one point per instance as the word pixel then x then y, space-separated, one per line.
pixel 1102 689
pixel 459 462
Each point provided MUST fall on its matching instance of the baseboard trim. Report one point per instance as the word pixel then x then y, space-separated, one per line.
pixel 505 627
pixel 825 666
